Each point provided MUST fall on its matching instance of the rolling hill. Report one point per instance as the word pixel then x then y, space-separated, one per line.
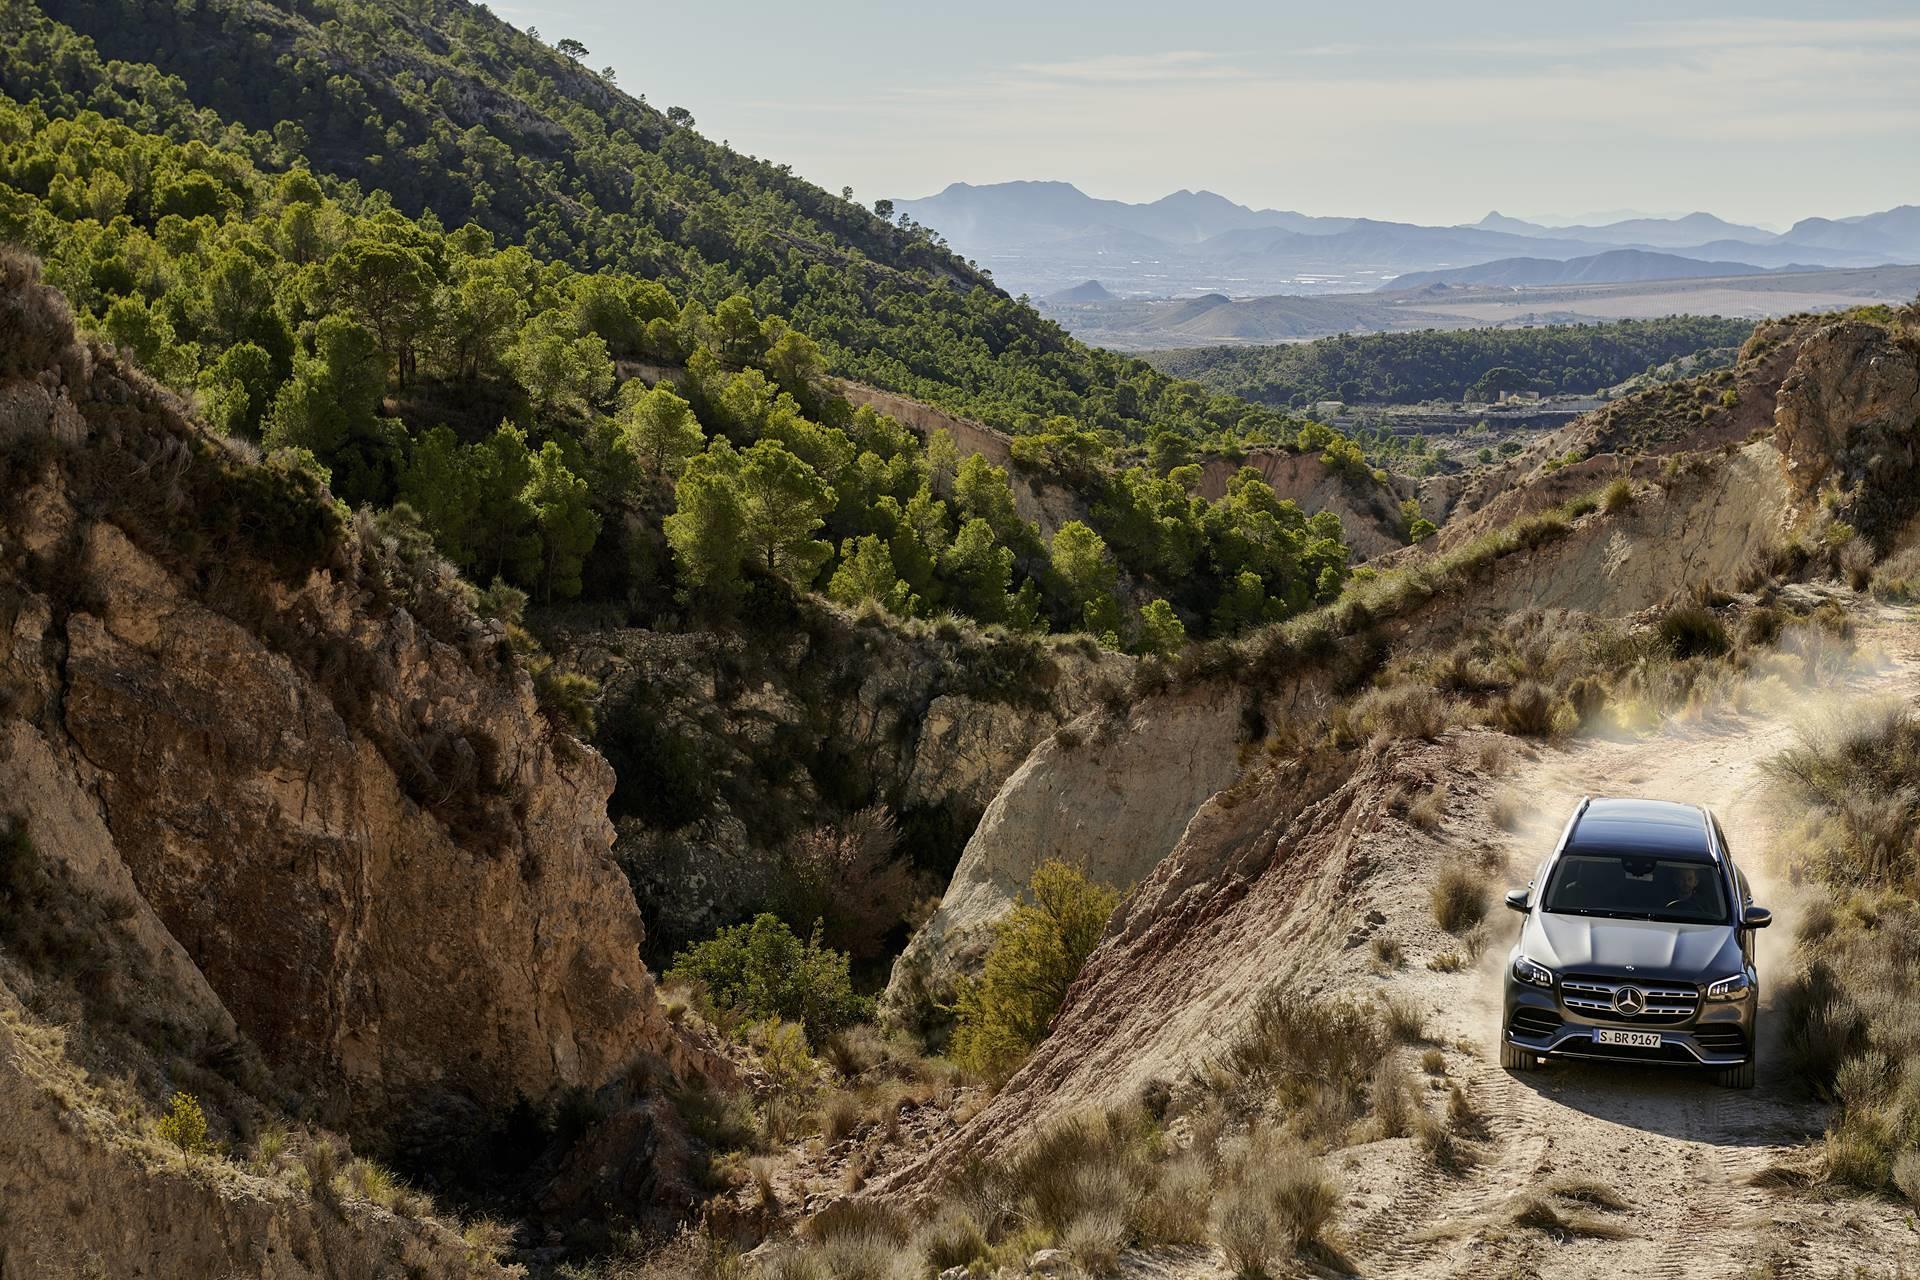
pixel 1616 266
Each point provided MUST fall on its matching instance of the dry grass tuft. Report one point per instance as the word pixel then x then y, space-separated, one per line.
pixel 1459 898
pixel 1429 812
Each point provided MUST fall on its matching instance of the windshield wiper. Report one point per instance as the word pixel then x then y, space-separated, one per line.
pixel 1595 911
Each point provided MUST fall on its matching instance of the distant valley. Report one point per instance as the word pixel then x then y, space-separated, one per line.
pixel 1152 324
pixel 1105 268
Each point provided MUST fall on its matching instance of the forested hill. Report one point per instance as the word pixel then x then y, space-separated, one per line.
pixel 1459 364
pixel 463 385
pixel 439 106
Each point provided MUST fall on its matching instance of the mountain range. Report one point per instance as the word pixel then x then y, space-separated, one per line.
pixel 1043 237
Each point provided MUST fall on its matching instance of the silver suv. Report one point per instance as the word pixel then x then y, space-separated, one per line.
pixel 1637 945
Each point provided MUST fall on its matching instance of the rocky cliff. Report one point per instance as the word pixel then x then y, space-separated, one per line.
pixel 312 809
pixel 1848 420
pixel 731 743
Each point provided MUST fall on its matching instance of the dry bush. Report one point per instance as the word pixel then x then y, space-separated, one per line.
pixel 762 1170
pixel 840 1117
pixel 848 878
pixel 1278 1198
pixel 1402 711
pixel 1442 1145
pixel 1495 757
pixel 1532 710
pixel 1537 1213
pixel 1297 1046
pixel 952 1238
pixel 1692 630
pixel 321 1164
pixel 1852 1025
pixel 1898 577
pixel 1095 1238
pixel 1085 1163
pixel 1405 1021
pixel 1617 496
pixel 1507 813
pixel 1175 1210
pixel 1585 1190
pixel 1244 1228
pixel 1447 962
pixel 1434 1062
pixel 1393 1100
pixel 1459 898
pixel 1388 954
pixel 1462 1117
pixel 1429 812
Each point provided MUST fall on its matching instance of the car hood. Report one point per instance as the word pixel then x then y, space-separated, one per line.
pixel 1685 952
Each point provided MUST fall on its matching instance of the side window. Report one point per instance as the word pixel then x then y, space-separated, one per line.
pixel 1726 851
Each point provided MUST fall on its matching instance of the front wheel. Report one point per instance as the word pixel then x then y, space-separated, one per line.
pixel 1740 1077
pixel 1514 1058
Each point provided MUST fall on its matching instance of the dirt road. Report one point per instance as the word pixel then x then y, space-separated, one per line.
pixel 1696 1167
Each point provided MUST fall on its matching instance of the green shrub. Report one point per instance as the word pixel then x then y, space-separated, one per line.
pixel 1617 496
pixel 1037 952
pixel 184 1125
pixel 762 970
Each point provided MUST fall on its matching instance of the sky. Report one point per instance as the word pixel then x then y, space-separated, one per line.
pixel 1431 112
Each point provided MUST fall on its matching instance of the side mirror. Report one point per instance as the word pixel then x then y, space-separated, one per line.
pixel 1517 900
pixel 1757 918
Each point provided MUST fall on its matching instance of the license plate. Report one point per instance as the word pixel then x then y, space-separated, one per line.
pixel 1630 1039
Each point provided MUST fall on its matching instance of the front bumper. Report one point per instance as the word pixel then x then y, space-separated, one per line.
pixel 1714 1034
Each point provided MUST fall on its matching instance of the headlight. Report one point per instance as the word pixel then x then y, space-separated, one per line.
pixel 1533 974
pixel 1729 988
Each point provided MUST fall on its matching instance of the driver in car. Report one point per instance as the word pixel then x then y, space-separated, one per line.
pixel 1687 883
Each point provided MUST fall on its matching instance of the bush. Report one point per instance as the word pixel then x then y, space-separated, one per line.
pixel 1280 1199
pixel 1402 711
pixel 1617 496
pixel 847 879
pixel 1693 631
pixel 1037 952
pixel 762 970
pixel 184 1125
pixel 1530 710
pixel 1175 1210
pixel 1459 898
pixel 954 1238
pixel 1308 1053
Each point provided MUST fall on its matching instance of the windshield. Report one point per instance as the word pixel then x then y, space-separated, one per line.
pixel 1635 886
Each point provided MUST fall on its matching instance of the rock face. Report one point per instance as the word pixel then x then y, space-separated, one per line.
pixel 1268 880
pixel 1112 799
pixel 86 1195
pixel 763 737
pixel 347 835
pixel 1848 416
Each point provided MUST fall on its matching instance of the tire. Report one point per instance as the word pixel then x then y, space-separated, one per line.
pixel 1740 1077
pixel 1514 1058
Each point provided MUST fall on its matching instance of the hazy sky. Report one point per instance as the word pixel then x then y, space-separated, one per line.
pixel 1433 112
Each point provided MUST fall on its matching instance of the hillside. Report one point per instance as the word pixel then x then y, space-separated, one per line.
pixel 441 106
pixel 1458 365
pixel 292 840
pixel 1616 266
